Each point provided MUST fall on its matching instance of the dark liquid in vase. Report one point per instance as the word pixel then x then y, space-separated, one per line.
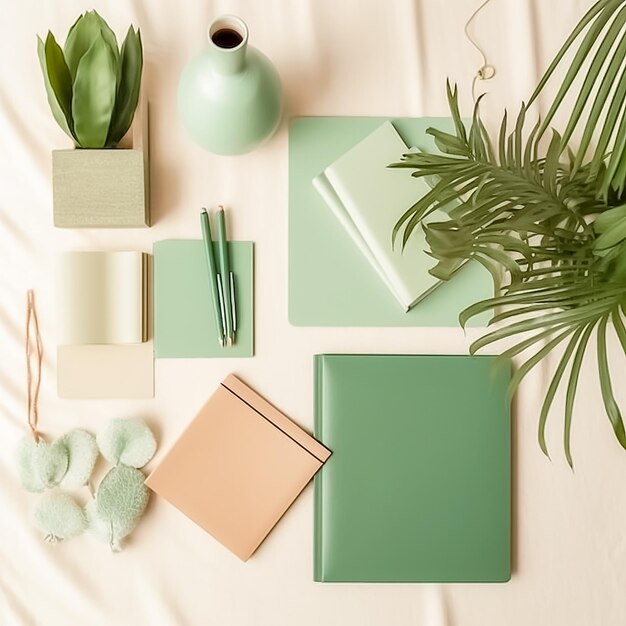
pixel 227 38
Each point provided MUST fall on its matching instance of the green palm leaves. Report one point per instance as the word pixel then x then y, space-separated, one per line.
pixel 553 219
pixel 92 86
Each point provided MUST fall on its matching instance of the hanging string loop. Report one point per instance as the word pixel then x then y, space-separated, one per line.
pixel 34 359
pixel 486 71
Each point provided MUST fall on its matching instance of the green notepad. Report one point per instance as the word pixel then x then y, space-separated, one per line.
pixel 184 318
pixel 331 283
pixel 418 486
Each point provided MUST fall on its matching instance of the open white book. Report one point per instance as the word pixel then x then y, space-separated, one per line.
pixel 368 198
pixel 102 298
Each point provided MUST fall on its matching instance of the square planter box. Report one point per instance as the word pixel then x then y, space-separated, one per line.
pixel 103 188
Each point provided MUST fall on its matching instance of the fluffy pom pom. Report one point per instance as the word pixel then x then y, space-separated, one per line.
pixel 59 517
pixel 127 441
pixel 25 460
pixel 51 461
pixel 119 504
pixel 82 453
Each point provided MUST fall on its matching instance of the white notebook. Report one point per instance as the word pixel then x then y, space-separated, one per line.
pixel 102 298
pixel 368 198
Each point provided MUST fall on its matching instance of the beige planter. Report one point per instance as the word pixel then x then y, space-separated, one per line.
pixel 104 188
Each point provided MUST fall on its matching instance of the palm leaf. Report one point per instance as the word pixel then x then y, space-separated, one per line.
pixel 553 387
pixel 552 218
pixel 612 409
pixel 571 390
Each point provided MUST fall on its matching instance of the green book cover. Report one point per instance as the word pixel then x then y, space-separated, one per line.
pixel 418 486
pixel 367 197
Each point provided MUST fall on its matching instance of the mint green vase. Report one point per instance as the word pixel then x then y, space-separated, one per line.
pixel 229 96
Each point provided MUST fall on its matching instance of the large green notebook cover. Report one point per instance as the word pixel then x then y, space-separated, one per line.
pixel 418 486
pixel 184 318
pixel 331 283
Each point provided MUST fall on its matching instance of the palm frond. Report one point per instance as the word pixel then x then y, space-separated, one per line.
pixel 552 217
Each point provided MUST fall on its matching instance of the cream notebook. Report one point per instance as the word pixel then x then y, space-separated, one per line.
pixel 102 298
pixel 368 198
pixel 124 371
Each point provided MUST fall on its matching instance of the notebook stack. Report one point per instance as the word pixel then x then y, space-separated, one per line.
pixel 104 344
pixel 343 192
pixel 368 198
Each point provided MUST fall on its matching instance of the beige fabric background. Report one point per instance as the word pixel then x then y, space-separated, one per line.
pixel 350 57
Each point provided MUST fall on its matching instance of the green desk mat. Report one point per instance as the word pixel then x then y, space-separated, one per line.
pixel 184 319
pixel 330 282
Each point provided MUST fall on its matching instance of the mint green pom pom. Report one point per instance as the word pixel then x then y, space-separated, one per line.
pixel 127 441
pixel 119 504
pixel 25 460
pixel 82 453
pixel 68 461
pixel 51 461
pixel 59 517
pixel 40 464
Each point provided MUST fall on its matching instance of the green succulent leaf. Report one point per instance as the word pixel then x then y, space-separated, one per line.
pixel 128 86
pixel 81 36
pixel 94 94
pixel 58 82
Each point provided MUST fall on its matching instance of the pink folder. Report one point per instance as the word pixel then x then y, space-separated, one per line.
pixel 238 467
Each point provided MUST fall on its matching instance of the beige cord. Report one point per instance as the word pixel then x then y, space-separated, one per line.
pixel 486 71
pixel 34 351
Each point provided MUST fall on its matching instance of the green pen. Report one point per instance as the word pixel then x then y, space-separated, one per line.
pixel 218 301
pixel 224 273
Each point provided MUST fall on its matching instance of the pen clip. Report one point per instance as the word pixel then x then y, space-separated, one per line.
pixel 220 293
pixel 233 305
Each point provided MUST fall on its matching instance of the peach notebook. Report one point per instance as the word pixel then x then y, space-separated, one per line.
pixel 238 467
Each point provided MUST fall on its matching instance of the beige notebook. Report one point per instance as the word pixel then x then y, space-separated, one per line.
pixel 125 371
pixel 101 298
pixel 238 467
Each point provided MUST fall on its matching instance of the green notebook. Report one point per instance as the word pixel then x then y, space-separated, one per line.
pixel 331 283
pixel 184 318
pixel 418 486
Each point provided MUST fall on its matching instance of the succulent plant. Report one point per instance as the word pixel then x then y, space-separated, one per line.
pixel 92 85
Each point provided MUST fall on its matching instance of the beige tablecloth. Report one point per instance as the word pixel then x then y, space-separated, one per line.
pixel 345 57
